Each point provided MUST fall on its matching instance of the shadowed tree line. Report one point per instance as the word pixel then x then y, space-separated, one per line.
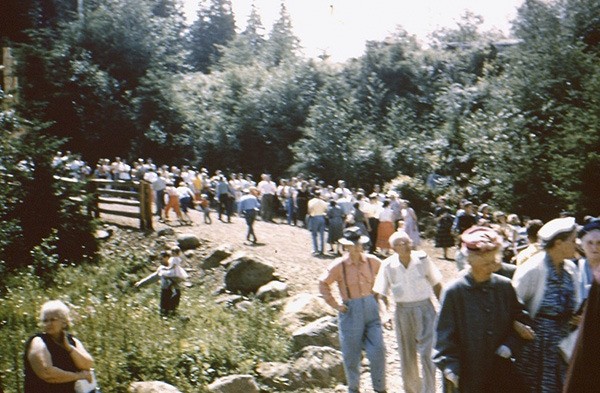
pixel 514 123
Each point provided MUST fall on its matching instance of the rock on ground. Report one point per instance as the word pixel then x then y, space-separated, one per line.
pixel 234 384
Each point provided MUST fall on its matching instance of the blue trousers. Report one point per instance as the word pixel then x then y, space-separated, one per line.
pixel 360 327
pixel 317 227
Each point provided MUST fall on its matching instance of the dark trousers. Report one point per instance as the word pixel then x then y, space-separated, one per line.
pixel 267 205
pixel 373 223
pixel 250 216
pixel 225 206
pixel 160 202
pixel 169 300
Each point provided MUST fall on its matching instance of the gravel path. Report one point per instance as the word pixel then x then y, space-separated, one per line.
pixel 290 248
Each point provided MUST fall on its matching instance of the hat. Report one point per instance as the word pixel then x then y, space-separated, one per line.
pixel 592 225
pixel 478 238
pixel 352 236
pixel 555 227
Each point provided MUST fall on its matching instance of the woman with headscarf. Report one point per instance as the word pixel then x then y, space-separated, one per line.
pixel 548 286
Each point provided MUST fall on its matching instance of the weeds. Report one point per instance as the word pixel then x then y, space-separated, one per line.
pixel 122 329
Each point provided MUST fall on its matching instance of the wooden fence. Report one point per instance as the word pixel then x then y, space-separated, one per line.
pixel 131 199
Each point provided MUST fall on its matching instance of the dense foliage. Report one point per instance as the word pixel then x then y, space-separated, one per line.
pixel 121 327
pixel 514 122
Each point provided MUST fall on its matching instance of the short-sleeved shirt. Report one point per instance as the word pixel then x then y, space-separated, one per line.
pixel 354 280
pixel 410 284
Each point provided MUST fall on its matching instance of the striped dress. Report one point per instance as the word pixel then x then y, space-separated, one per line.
pixel 540 362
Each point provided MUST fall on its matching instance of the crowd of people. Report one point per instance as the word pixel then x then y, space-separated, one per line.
pixel 523 286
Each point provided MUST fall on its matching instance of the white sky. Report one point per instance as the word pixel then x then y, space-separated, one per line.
pixel 343 29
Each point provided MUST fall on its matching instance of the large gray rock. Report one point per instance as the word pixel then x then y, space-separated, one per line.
pixel 313 367
pixel 187 241
pixel 234 384
pixel 152 387
pixel 272 290
pixel 322 333
pixel 319 366
pixel 247 273
pixel 217 255
pixel 302 309
pixel 276 375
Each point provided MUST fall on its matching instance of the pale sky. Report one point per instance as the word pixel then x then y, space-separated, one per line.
pixel 341 27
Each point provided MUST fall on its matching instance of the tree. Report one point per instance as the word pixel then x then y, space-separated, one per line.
pixel 214 27
pixel 282 45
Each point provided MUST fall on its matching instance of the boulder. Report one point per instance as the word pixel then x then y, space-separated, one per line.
pixel 166 231
pixel 322 333
pixel 302 309
pixel 187 241
pixel 319 367
pixel 216 255
pixel 234 384
pixel 276 375
pixel 272 290
pixel 152 387
pixel 247 273
pixel 313 367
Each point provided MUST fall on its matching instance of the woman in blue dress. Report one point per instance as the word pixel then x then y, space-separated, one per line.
pixel 548 286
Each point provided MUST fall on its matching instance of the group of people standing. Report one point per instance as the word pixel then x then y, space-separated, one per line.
pixel 497 329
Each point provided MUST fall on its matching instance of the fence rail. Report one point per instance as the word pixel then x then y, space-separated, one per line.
pixel 135 197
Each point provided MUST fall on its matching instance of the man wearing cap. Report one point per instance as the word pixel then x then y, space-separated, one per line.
pixel 248 207
pixel 584 371
pixel 548 285
pixel 411 279
pixel 359 321
pixel 480 322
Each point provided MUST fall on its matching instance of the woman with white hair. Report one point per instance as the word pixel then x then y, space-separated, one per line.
pixel 548 285
pixel 55 360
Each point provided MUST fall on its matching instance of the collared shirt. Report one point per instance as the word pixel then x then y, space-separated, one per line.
pixel 407 284
pixel 317 207
pixel 266 187
pixel 354 280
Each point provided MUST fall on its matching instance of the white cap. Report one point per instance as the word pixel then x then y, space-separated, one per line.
pixel 555 227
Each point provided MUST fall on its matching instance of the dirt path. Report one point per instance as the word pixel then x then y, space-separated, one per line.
pixel 290 250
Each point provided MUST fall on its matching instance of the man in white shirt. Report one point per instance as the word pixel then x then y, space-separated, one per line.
pixel 267 189
pixel 411 279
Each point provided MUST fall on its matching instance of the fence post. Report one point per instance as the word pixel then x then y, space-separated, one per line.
pixel 145 206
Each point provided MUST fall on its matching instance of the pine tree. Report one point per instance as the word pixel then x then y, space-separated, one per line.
pixel 282 45
pixel 215 27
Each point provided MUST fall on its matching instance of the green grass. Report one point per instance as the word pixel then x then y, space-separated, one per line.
pixel 121 327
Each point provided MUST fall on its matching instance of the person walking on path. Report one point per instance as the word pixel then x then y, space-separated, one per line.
pixel 317 210
pixel 359 321
pixel 248 207
pixel 411 279
pixel 480 322
pixel 548 285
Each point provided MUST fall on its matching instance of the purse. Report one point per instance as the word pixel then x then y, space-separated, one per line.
pixel 566 346
pixel 83 386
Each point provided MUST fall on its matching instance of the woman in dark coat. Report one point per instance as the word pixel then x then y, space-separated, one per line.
pixel 444 220
pixel 584 371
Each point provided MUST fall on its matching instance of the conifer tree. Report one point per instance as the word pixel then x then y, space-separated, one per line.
pixel 214 27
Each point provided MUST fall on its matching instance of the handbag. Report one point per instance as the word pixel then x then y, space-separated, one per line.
pixel 83 386
pixel 566 346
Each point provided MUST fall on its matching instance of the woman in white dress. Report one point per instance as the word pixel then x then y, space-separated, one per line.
pixel 411 226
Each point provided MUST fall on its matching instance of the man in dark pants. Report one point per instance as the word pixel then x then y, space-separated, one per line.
pixel 248 207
